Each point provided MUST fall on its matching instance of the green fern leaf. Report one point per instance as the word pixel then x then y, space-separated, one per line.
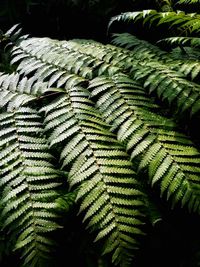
pixel 23 182
pixel 155 150
pixel 186 22
pixel 101 176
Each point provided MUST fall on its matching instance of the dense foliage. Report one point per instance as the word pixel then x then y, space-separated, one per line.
pixel 105 132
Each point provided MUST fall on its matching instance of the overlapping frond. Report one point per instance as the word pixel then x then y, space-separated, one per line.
pixel 155 75
pixel 16 90
pixel 28 182
pixel 141 48
pixel 48 56
pixel 108 192
pixel 169 156
pixel 67 56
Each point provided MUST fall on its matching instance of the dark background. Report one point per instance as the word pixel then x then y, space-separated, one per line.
pixel 65 19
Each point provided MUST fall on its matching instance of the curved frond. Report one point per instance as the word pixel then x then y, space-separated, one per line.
pixel 140 48
pixel 187 22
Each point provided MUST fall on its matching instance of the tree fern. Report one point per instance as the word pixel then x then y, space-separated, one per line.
pixel 93 107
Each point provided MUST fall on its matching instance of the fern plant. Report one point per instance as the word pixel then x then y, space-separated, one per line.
pixel 81 120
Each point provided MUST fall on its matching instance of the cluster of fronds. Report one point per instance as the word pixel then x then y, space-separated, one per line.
pixel 90 105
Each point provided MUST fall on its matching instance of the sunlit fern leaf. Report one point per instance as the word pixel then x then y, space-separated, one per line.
pixel 188 1
pixel 169 156
pixel 48 51
pixel 98 164
pixel 180 20
pixel 16 90
pixel 28 183
pixel 159 76
pixel 54 58
pixel 46 69
pixel 108 55
pixel 190 68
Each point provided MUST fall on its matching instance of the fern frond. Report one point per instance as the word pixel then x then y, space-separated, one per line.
pixel 190 68
pixel 99 165
pixel 179 20
pixel 13 35
pixel 188 1
pixel 53 58
pixel 168 84
pixel 140 48
pixel 179 60
pixel 184 41
pixel 90 142
pixel 152 139
pixel 54 55
pixel 112 58
pixel 25 171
